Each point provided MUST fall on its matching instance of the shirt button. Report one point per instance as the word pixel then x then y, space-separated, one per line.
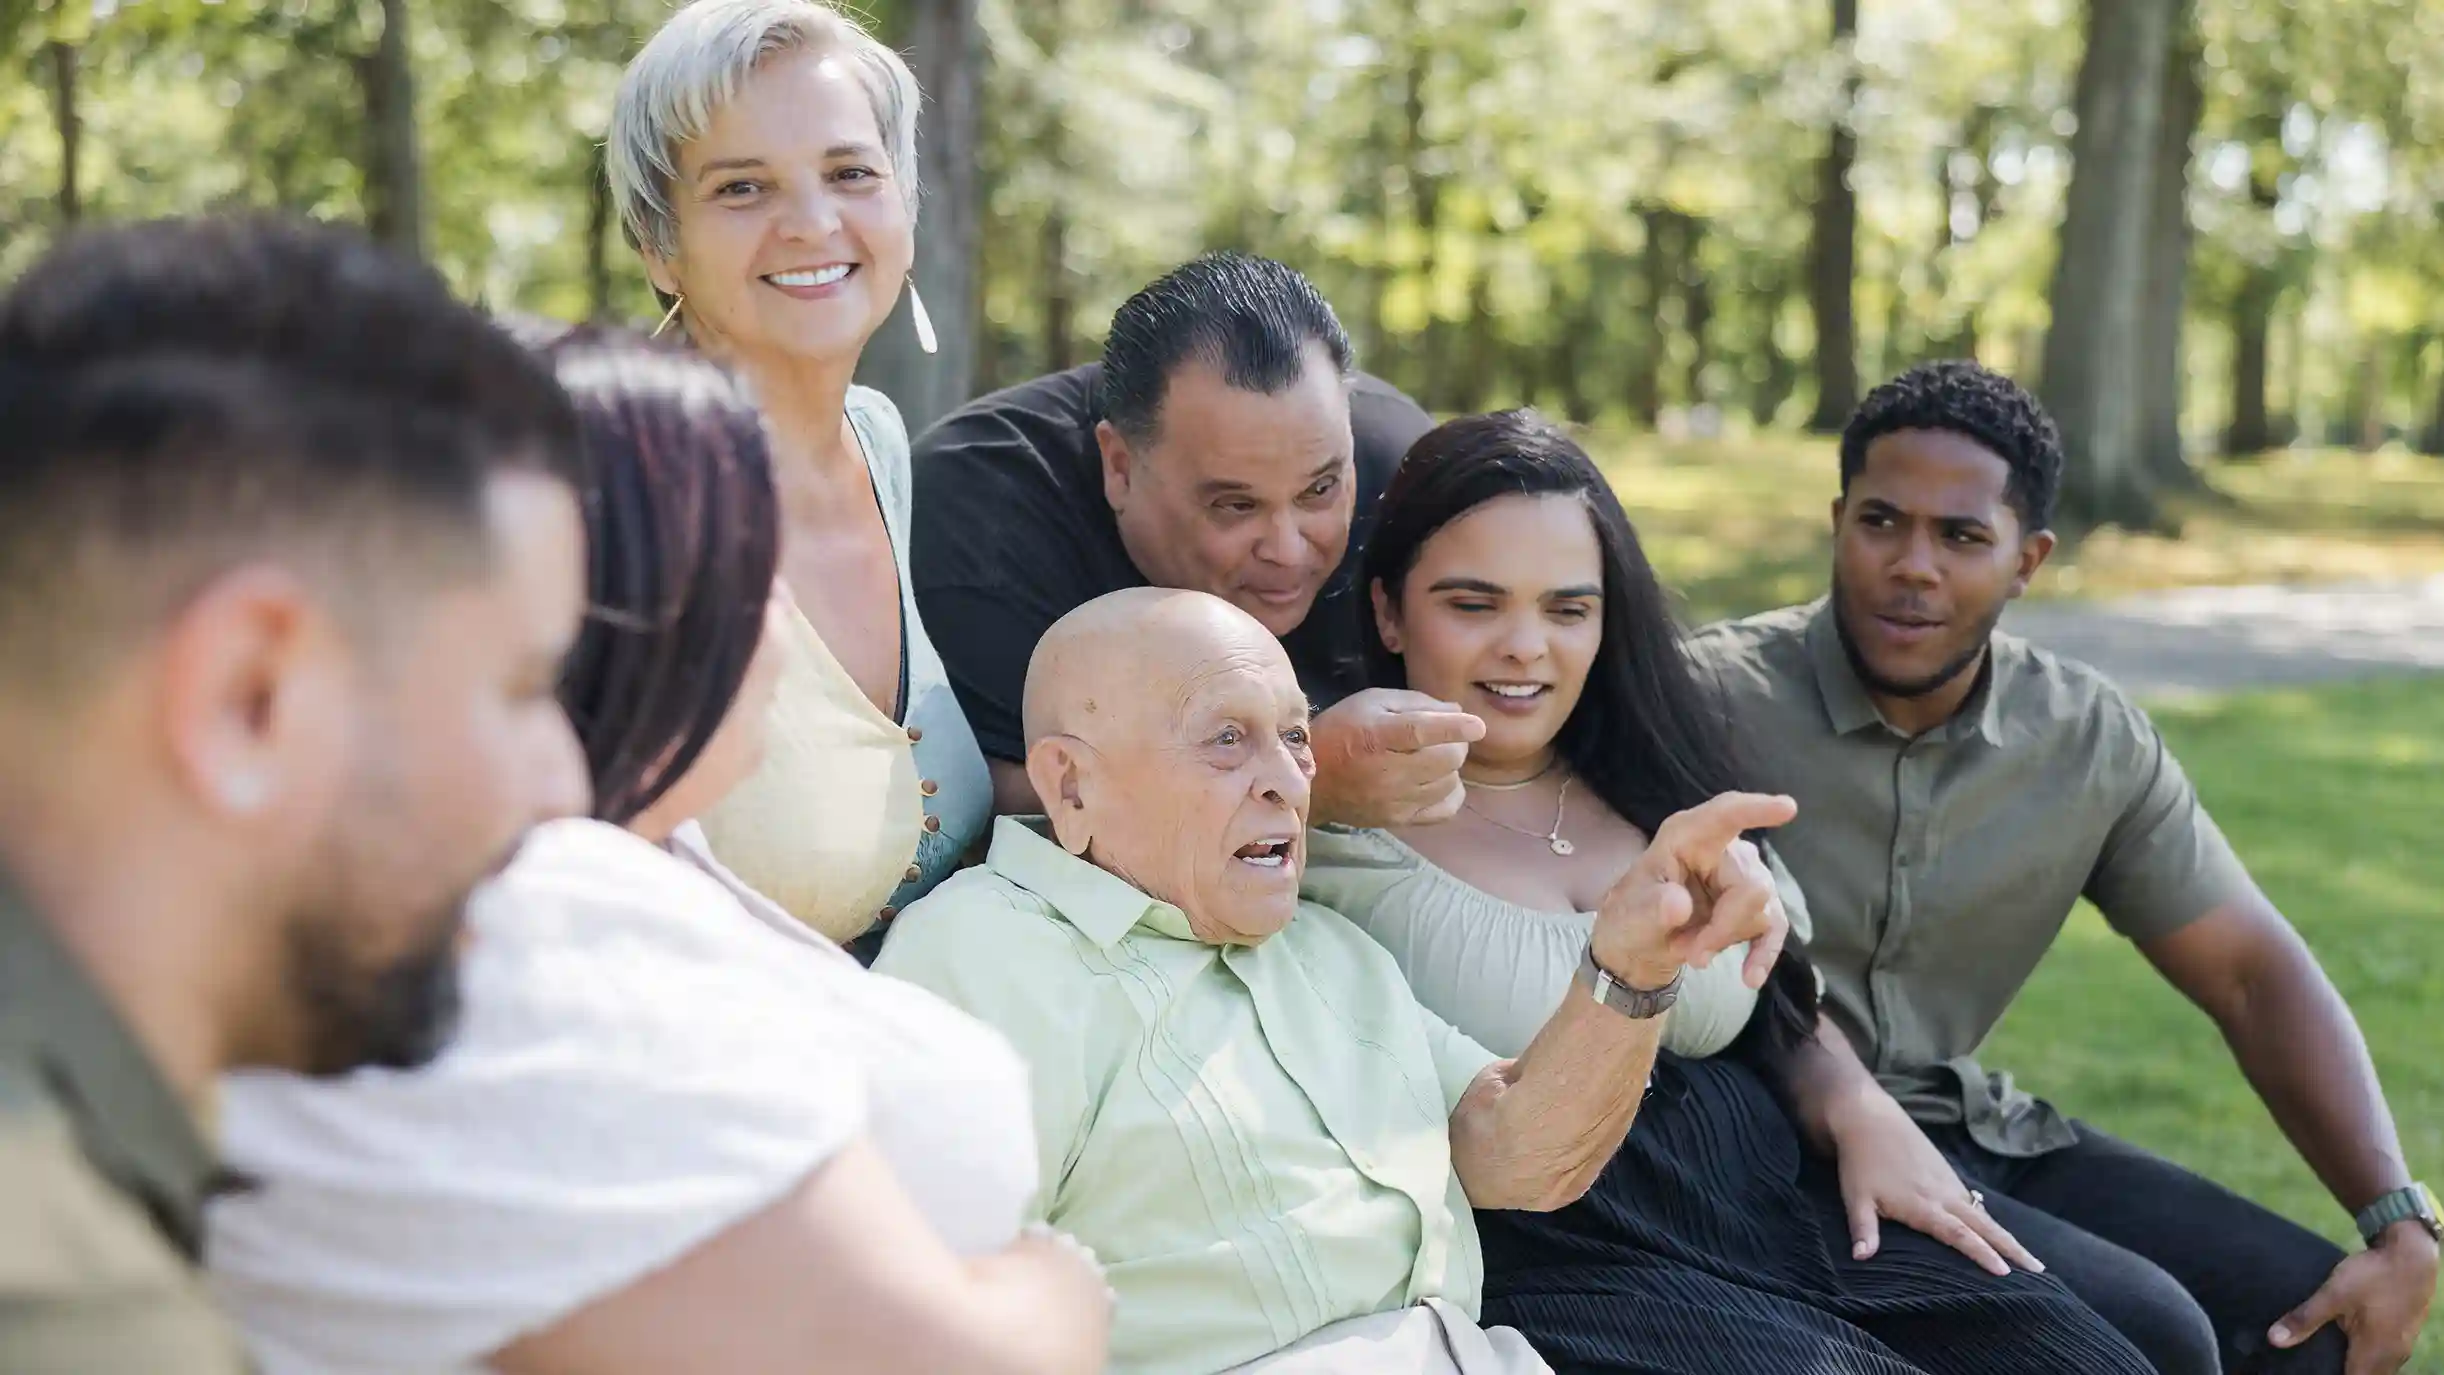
pixel 932 824
pixel 928 787
pixel 914 873
pixel 915 733
pixel 888 913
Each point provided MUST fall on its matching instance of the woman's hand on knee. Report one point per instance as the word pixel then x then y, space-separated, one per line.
pixel 1890 1171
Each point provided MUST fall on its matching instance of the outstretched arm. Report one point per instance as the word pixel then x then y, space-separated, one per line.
pixel 1534 1133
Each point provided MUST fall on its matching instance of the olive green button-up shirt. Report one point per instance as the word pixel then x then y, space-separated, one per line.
pixel 1939 870
pixel 1255 1139
pixel 103 1176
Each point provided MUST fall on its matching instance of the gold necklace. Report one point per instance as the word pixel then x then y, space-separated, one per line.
pixel 1536 777
pixel 1551 838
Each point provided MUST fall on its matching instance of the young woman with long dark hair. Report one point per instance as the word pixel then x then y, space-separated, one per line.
pixel 1506 578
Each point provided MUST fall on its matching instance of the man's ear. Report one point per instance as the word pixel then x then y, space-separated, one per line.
pixel 1057 767
pixel 1387 617
pixel 1119 465
pixel 247 692
pixel 1838 503
pixel 2034 551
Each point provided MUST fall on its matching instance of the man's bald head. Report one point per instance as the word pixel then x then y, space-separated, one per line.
pixel 1125 656
pixel 1167 737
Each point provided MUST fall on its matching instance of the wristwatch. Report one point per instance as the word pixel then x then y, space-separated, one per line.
pixel 2413 1203
pixel 1640 1003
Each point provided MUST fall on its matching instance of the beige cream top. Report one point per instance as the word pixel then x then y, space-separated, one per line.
pixel 829 824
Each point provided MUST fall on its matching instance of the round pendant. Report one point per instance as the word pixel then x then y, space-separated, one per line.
pixel 1563 847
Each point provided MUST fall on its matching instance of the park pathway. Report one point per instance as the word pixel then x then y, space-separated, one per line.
pixel 2220 639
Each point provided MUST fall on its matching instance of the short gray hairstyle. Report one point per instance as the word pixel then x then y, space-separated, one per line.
pixel 696 64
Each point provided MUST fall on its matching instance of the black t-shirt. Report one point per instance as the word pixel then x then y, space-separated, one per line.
pixel 1012 533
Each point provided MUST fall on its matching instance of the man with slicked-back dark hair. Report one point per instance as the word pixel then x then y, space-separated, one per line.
pixel 290 554
pixel 1226 443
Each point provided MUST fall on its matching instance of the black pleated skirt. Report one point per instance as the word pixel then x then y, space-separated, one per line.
pixel 1714 1244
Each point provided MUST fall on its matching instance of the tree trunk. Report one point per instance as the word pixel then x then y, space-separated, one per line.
pixel 598 237
pixel 2432 440
pixel 1833 247
pixel 1645 389
pixel 394 193
pixel 2252 428
pixel 944 41
pixel 1781 370
pixel 71 127
pixel 2367 400
pixel 2163 309
pixel 1696 311
pixel 2091 347
pixel 1060 293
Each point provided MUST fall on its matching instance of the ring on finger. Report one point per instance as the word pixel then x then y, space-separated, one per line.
pixel 1977 1200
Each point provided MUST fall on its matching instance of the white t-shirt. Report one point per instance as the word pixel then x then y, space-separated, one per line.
pixel 650 1053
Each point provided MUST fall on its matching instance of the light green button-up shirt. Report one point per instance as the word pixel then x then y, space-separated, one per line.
pixel 1256 1139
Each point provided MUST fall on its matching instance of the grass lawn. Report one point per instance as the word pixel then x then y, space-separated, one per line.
pixel 2333 797
pixel 1739 525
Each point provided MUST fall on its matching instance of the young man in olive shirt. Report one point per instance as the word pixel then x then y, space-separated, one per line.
pixel 1225 444
pixel 1958 791
pixel 289 556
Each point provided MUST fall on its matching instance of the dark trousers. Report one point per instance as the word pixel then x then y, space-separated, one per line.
pixel 2192 1273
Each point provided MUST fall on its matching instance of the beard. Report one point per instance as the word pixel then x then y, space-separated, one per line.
pixel 1905 689
pixel 397 1015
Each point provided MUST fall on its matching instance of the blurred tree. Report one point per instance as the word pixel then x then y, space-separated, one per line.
pixel 2163 309
pixel 2091 349
pixel 944 42
pixel 1832 246
pixel 394 176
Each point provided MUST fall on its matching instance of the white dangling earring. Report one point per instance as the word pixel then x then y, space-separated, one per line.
pixel 669 315
pixel 923 321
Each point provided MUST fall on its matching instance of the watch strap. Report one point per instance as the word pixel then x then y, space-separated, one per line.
pixel 2413 1202
pixel 1636 1003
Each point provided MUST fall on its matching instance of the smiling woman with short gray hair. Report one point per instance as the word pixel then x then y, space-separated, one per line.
pixel 763 160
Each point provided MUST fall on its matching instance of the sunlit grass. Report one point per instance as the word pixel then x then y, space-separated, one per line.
pixel 2332 797
pixel 1740 525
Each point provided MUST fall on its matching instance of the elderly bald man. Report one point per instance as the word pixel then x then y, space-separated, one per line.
pixel 1238 1102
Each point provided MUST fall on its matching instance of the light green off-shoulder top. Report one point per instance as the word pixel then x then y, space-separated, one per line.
pixel 1495 969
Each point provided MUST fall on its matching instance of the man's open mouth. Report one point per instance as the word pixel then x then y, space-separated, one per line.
pixel 1264 854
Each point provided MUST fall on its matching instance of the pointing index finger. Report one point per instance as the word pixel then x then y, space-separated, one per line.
pixel 1706 830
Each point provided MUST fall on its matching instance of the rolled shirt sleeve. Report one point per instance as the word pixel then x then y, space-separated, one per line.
pixel 2165 862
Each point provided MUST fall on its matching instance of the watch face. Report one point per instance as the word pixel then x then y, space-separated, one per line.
pixel 2429 1208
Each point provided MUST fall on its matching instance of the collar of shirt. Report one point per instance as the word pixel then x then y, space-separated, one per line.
pixel 1849 709
pixel 128 1121
pixel 1102 905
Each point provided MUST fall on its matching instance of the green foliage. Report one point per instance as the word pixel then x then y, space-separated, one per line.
pixel 1598 205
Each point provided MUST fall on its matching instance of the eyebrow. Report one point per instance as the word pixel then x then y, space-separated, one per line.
pixel 1880 504
pixel 1218 486
pixel 837 150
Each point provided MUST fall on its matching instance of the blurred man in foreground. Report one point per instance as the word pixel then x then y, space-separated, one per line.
pixel 289 557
